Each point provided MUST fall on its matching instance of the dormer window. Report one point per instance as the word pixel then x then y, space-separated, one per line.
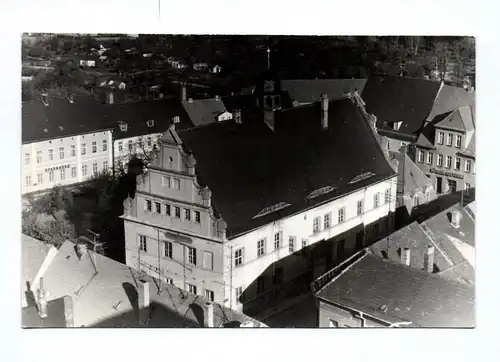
pixel 123 126
pixel 150 122
pixel 270 209
pixel 176 119
pixel 396 125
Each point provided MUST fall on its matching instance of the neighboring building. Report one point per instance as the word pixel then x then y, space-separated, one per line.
pixel 401 106
pixel 241 210
pixel 216 69
pixel 205 111
pixel 367 291
pixel 64 142
pixel 305 91
pixel 83 289
pixel 414 187
pixel 90 63
pixel 446 151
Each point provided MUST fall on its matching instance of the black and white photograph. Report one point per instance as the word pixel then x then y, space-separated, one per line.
pixel 248 181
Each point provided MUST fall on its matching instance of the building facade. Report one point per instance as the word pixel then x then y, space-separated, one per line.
pixel 65 161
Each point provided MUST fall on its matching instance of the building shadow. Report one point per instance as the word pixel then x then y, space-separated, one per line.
pixel 133 297
pixel 30 296
pixel 199 313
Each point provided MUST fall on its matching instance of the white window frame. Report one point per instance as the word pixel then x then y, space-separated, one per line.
pixel 62 174
pixel 120 146
pixel 187 214
pixel 197 217
pixel 157 207
pixel 84 170
pixel 209 295
pixel 458 161
pixel 359 207
pixel 51 154
pixel 51 176
pixel 458 141
pixel 439 160
pixel 440 137
pixel 61 153
pixel 39 157
pixel 84 149
pixel 387 196
pixel 468 164
pixel 449 139
pixel 376 201
pixel 192 255
pixel 148 205
pixel 192 288
pixel 420 156
pixel 177 212
pixel 327 220
pixel 261 247
pixel 73 171
pixel 291 243
pixel 278 240
pixel 94 147
pixel 341 215
pixel 168 210
pixel 143 243
pixel 448 161
pixel 167 249
pixel 104 145
pixel 72 151
pixel 317 224
pixel 95 168
pixel 429 158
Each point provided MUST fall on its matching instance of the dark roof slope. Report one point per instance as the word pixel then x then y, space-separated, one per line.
pixel 424 299
pixel 394 99
pixel 248 167
pixel 204 111
pixel 310 90
pixel 136 115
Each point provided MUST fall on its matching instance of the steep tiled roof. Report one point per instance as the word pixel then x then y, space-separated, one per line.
pixel 460 119
pixel 248 167
pixel 395 99
pixel 450 98
pixel 424 299
pixel 204 111
pixel 310 90
pixel 108 293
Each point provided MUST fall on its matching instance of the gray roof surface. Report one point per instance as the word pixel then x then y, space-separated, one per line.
pixel 310 90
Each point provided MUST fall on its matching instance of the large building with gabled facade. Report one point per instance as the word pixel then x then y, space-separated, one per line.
pixel 244 210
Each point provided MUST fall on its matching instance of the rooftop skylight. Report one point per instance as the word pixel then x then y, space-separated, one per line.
pixel 321 191
pixel 270 209
pixel 362 177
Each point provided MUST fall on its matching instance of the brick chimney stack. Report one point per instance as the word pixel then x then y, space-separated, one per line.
pixel 429 259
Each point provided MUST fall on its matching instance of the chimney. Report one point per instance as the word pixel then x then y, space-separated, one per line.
pixel 145 294
pixel 455 218
pixel 81 250
pixel 217 98
pixel 42 301
pixel 190 100
pixel 209 314
pixel 429 259
pixel 110 98
pixel 191 163
pixel 183 93
pixel 206 196
pixel 405 256
pixel 324 109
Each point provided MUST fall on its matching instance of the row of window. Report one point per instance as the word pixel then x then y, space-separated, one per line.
pixel 173 211
pixel 449 139
pixel 209 294
pixel 171 182
pixel 439 161
pixel 62 174
pixel 138 143
pixel 62 154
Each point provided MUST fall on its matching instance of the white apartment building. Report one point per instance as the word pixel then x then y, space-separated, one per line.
pixel 254 224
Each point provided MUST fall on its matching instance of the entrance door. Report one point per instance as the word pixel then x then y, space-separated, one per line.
pixel 439 185
pixel 452 185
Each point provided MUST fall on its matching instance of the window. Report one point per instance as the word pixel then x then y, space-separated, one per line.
pixel 104 145
pixel 439 160
pixel 149 142
pixel 143 245
pixel 130 146
pixel 62 174
pixel 209 294
pixel 84 148
pixel 158 207
pixel 197 217
pixel 467 188
pixel 73 171
pixel 375 230
pixel 440 138
pixel 94 147
pixel 458 141
pixel 304 243
pixel 239 294
pixel 72 152
pixel 40 178
pixel 191 255
pixel 28 180
pixel 261 247
pixel 51 155
pixel 165 181
pixel 192 288
pixel 94 168
pixel 291 244
pixel 61 153
pixel 238 257
pixel 375 200
pixel 387 198
pixel 316 224
pixel 39 157
pixel 27 159
pixel 105 165
pixel 167 249
pixel 177 184
pixel 457 163
pixel 416 200
pixel 168 280
pixel 449 139
pixel 341 215
pixel 51 176
pixel 177 212
pixel 208 260
pixel 187 214
pixel 429 158
pixel 261 285
pixel 467 165
pixel 148 205
pixel 167 210
pixel 277 240
pixel 420 156
pixel 448 161
pixel 326 220
pixel 84 170
pixel 360 207
pixel 120 146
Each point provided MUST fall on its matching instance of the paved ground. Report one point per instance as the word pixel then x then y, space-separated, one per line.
pixel 301 315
